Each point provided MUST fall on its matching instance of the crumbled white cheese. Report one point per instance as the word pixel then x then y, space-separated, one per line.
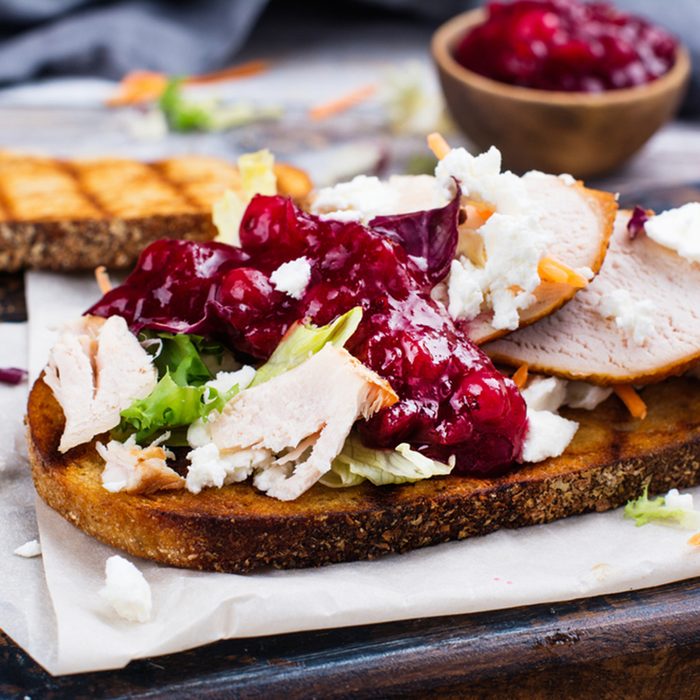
pixel 209 467
pixel 363 198
pixel 126 590
pixel 225 381
pixel 545 393
pixel 292 277
pixel 678 229
pixel 635 317
pixel 464 290
pixel 548 435
pixel 365 194
pixel 551 393
pixel 674 500
pixel 514 246
pixel 480 178
pixel 29 549
pixel 342 215
pixel 586 396
pixel 567 179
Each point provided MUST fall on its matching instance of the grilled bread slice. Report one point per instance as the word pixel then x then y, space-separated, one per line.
pixel 75 215
pixel 237 529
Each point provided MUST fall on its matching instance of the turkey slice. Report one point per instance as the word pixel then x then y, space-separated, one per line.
pixel 578 223
pixel 598 336
pixel 301 418
pixel 96 370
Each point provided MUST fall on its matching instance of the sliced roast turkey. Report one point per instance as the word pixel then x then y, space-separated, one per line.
pixel 580 221
pixel 637 322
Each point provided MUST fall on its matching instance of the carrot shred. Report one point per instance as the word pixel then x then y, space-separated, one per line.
pixel 551 270
pixel 145 85
pixel 631 399
pixel 520 376
pixel 242 70
pixel 341 104
pixel 438 145
pixel 138 86
pixel 102 279
pixel 694 540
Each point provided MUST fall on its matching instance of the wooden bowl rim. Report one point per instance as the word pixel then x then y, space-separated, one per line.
pixel 447 34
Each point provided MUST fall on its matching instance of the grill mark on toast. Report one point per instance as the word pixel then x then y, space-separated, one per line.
pixel 178 189
pixel 73 172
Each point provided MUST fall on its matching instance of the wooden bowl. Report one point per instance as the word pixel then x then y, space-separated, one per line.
pixel 583 134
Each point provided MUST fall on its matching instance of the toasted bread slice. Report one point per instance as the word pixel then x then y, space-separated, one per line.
pixel 75 215
pixel 238 529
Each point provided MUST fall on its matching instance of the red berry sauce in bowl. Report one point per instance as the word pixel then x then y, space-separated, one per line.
pixel 566 45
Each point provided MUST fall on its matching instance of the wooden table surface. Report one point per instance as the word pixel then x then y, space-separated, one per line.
pixel 641 644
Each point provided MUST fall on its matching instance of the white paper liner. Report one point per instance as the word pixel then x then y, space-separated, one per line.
pixel 582 556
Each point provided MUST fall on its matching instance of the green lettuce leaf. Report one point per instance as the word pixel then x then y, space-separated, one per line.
pixel 302 341
pixel 644 510
pixel 356 463
pixel 182 114
pixel 180 356
pixel 170 406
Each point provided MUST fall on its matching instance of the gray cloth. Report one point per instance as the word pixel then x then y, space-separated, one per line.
pixel 97 39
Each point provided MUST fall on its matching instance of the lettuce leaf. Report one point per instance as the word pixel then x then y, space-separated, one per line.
pixel 302 341
pixel 355 463
pixel 171 405
pixel 644 510
pixel 257 177
pixel 180 357
pixel 182 114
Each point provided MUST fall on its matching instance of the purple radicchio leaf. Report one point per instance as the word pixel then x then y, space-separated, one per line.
pixel 635 225
pixel 12 375
pixel 430 234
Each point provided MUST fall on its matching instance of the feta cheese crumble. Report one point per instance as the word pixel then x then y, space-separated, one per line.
pixel 29 549
pixel 225 381
pixel 678 229
pixel 209 467
pixel 365 197
pixel 126 590
pixel 292 277
pixel 480 178
pixel 635 317
pixel 549 434
pixel 514 246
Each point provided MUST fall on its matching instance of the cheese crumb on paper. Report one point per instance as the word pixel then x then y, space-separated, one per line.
pixel 126 590
pixel 29 549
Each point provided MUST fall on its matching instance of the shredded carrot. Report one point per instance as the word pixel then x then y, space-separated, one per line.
pixel 631 399
pixel 242 70
pixel 520 376
pixel 138 86
pixel 146 86
pixel 438 145
pixel 694 540
pixel 341 104
pixel 551 270
pixel 102 279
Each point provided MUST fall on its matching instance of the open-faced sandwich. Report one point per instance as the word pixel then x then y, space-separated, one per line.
pixel 319 385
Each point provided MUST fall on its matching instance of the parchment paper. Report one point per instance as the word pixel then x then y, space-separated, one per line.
pixel 581 556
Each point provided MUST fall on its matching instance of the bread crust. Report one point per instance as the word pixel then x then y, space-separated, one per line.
pixel 76 215
pixel 237 529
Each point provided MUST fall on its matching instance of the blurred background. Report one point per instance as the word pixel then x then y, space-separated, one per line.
pixel 337 88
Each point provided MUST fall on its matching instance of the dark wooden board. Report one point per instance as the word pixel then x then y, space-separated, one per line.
pixel 643 644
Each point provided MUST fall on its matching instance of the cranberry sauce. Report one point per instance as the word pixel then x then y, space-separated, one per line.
pixel 566 45
pixel 452 400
